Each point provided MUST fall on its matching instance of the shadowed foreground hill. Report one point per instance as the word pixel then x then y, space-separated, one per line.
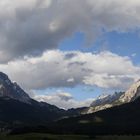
pixel 18 109
pixel 14 112
pixel 124 119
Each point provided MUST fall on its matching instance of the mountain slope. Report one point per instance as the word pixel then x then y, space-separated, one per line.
pixel 107 101
pixel 17 108
pixel 14 113
pixel 123 119
pixel 131 94
pixel 104 102
pixel 12 89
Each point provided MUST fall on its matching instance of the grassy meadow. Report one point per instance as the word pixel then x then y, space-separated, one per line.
pixel 39 136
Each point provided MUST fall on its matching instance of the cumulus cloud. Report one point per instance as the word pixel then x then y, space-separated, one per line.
pixel 29 27
pixel 52 69
pixel 62 100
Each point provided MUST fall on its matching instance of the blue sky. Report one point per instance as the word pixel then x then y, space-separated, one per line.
pixel 123 44
pixel 78 49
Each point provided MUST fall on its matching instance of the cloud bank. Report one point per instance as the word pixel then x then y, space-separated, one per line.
pixel 30 27
pixel 58 69
pixel 62 100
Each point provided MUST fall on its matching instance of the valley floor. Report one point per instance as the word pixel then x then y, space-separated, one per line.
pixel 38 136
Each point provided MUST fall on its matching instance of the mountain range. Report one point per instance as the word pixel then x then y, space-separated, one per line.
pixel 18 109
pixel 118 98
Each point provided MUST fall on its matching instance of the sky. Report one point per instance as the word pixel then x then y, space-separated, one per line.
pixel 67 53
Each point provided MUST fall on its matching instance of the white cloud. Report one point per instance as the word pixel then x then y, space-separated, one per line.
pixel 133 55
pixel 62 100
pixel 69 69
pixel 70 80
pixel 29 27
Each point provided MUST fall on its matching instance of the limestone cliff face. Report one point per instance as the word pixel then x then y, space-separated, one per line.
pixel 131 94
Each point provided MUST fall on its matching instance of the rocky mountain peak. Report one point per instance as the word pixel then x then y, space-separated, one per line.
pixel 3 76
pixel 12 90
pixel 106 99
pixel 132 93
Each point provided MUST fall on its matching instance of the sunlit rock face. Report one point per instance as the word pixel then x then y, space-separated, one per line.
pixel 131 94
